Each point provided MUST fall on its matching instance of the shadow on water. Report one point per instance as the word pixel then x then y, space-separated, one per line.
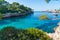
pixel 15 19
pixel 3 22
pixel 48 27
pixel 6 21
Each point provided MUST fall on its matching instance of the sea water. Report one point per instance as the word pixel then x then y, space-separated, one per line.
pixel 32 21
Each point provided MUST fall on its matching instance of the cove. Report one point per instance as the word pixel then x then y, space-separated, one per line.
pixel 32 21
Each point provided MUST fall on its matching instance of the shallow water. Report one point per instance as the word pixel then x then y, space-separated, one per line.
pixel 32 21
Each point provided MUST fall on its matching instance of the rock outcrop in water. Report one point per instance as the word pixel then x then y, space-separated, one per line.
pixel 43 17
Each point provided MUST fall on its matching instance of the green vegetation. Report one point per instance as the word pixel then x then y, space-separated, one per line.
pixel 47 1
pixel 43 17
pixel 11 33
pixel 1 1
pixel 38 34
pixel 1 16
pixel 58 10
pixel 15 7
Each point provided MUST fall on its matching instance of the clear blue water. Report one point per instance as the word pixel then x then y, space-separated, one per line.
pixel 32 21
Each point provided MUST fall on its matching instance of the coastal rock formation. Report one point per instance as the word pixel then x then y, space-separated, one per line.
pixel 56 34
pixel 14 9
pixel 43 17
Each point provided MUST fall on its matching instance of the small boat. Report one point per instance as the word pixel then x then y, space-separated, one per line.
pixel 56 14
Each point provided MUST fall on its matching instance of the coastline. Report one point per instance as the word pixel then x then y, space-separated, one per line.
pixel 56 34
pixel 52 11
pixel 8 15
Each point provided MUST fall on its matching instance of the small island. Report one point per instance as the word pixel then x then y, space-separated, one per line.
pixel 14 9
pixel 43 17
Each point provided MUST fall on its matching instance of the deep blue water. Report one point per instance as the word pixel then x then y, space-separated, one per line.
pixel 32 21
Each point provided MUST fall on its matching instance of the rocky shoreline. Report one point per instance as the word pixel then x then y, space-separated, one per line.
pixel 56 34
pixel 52 11
pixel 8 15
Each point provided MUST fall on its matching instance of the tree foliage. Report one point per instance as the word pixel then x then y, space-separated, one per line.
pixel 39 34
pixel 13 8
pixel 47 1
pixel 11 33
pixel 1 1
pixel 43 17
pixel 1 16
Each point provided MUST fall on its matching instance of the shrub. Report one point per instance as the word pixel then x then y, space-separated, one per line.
pixel 1 16
pixel 8 33
pixel 43 17
pixel 11 33
pixel 39 34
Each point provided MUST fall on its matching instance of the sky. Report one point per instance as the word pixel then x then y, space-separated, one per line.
pixel 39 5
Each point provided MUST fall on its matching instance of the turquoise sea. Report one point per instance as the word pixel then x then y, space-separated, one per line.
pixel 32 21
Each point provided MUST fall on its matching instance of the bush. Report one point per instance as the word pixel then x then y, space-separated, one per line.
pixel 43 17
pixel 11 33
pixel 1 16
pixel 39 34
pixel 8 33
